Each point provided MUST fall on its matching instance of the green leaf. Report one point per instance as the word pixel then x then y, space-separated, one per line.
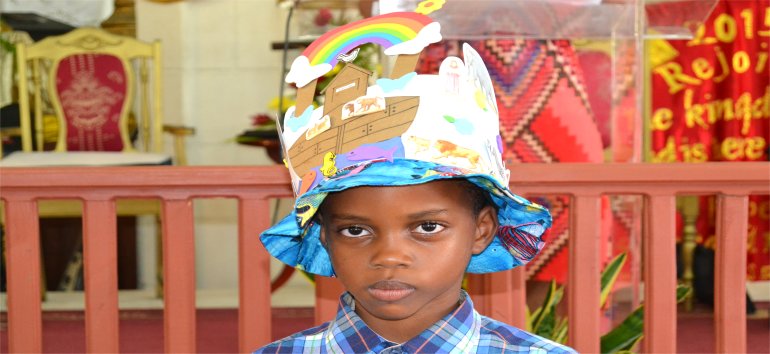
pixel 630 348
pixel 547 308
pixel 546 327
pixel 548 321
pixel 610 275
pixel 625 334
pixel 7 46
pixel 449 119
pixel 682 291
pixel 560 332
pixel 531 315
pixel 628 333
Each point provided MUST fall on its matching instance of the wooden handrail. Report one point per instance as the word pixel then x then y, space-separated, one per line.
pixel 500 294
pixel 175 187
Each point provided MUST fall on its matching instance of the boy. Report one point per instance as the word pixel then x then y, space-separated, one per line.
pixel 400 190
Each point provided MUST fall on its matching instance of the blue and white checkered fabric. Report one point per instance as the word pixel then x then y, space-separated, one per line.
pixel 462 331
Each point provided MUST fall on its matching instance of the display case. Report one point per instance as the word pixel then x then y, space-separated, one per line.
pixel 572 85
pixel 604 38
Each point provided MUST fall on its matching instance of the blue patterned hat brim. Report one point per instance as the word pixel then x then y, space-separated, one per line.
pixel 295 239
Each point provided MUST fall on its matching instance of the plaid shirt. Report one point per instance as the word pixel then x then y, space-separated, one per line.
pixel 462 331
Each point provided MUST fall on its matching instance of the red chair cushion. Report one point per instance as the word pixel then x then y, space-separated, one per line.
pixel 92 89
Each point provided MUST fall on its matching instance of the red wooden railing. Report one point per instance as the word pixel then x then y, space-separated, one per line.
pixel 501 295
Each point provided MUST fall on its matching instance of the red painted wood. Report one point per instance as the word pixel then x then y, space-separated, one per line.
pixel 583 282
pixel 519 297
pixel 253 275
pixel 499 286
pixel 178 276
pixel 730 274
pixel 176 185
pixel 100 251
pixel 327 298
pixel 475 285
pixel 500 295
pixel 22 245
pixel 184 180
pixel 635 177
pixel 635 252
pixel 566 178
pixel 660 270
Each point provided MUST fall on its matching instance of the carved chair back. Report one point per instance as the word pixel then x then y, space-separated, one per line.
pixel 101 89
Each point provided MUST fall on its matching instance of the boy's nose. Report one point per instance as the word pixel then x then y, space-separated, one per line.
pixel 391 251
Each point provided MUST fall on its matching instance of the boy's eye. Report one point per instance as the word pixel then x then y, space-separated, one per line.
pixel 429 227
pixel 354 231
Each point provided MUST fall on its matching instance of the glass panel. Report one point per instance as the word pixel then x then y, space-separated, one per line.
pixel 562 19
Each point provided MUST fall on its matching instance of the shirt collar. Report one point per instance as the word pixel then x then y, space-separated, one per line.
pixel 349 333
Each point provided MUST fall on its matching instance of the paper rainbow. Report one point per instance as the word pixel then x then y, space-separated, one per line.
pixel 386 30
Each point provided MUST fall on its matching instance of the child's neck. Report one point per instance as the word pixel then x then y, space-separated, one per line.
pixel 404 329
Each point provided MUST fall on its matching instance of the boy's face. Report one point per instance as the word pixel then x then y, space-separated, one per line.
pixel 402 251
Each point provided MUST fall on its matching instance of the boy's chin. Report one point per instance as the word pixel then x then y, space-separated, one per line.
pixel 387 311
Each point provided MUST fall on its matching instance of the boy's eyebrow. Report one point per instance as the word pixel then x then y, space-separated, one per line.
pixel 427 213
pixel 348 217
pixel 415 216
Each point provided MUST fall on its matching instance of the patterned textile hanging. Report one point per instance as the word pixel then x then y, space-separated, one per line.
pixel 545 116
pixel 711 102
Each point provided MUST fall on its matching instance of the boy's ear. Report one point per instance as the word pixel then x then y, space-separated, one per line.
pixel 322 234
pixel 486 228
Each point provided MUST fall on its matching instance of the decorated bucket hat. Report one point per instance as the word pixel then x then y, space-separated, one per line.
pixel 404 129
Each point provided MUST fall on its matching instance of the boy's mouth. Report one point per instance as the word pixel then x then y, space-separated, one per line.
pixel 390 290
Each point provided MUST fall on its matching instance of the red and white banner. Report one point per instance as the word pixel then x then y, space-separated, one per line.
pixel 711 102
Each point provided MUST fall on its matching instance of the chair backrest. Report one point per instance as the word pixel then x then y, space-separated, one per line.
pixel 90 81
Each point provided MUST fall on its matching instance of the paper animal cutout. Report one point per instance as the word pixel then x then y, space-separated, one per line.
pixel 362 105
pixel 449 149
pixel 441 150
pixel 348 58
pixel 307 181
pixel 371 152
pixel 318 128
pixel 351 171
pixel 328 168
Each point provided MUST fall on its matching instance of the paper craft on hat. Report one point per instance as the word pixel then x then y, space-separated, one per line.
pixel 405 129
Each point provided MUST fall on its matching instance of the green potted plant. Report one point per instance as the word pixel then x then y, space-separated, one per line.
pixel 545 322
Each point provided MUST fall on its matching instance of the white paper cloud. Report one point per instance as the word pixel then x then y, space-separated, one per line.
pixel 427 35
pixel 302 73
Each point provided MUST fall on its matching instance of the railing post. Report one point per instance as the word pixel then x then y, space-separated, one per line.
pixel 253 275
pixel 178 276
pixel 660 274
pixel 519 297
pixel 100 251
pixel 22 241
pixel 504 296
pixel 730 274
pixel 476 284
pixel 583 284
pixel 327 293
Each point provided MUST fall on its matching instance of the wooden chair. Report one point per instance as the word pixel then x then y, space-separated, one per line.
pixel 103 94
pixel 94 82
